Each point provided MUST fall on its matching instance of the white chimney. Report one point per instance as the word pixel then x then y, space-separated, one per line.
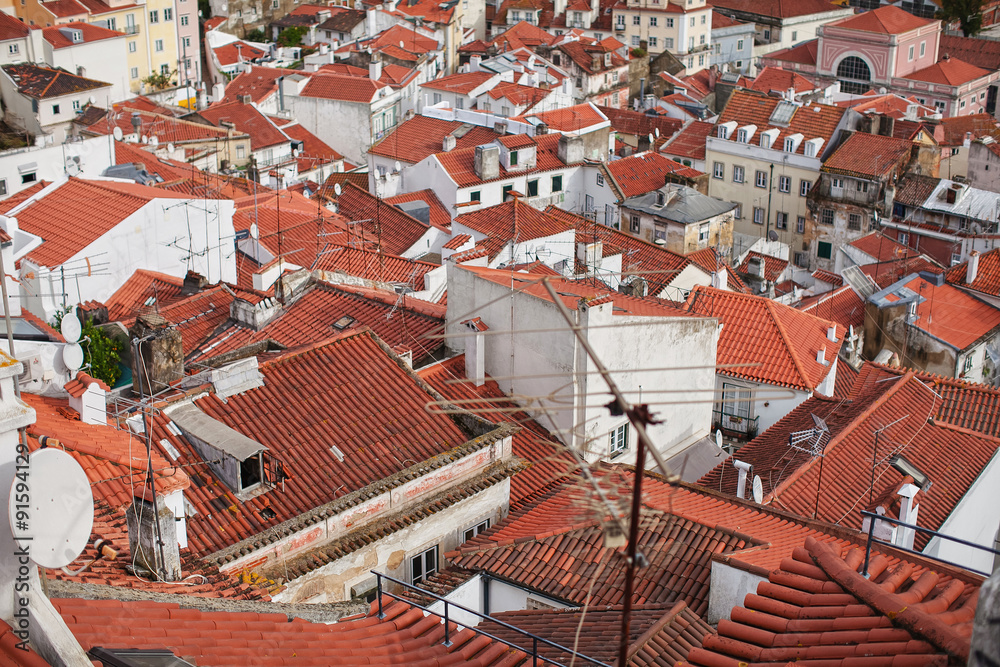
pixel 375 68
pixel 720 279
pixel 474 63
pixel 218 91
pixel 821 356
pixel 907 514
pixel 741 483
pixel 831 333
pixel 475 351
pixel 88 396
pixel 972 267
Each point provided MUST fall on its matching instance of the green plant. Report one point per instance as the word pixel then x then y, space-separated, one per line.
pixel 159 80
pixel 968 14
pixel 256 35
pixel 291 36
pixel 639 53
pixel 101 353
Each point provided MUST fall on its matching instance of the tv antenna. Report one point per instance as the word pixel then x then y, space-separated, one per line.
pixel 61 509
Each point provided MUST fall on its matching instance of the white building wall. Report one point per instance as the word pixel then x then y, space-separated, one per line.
pixel 729 587
pixel 51 163
pixel 104 60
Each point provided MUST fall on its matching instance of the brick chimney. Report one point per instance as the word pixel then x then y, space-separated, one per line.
pixel 160 358
pixel 142 536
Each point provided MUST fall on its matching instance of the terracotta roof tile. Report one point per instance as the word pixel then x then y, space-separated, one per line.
pixel 65 8
pixel 811 121
pixel 343 88
pixel 880 247
pixel 804 54
pixel 782 340
pixel 460 163
pixel 143 289
pixel 373 265
pixel 983 53
pixel 888 272
pixel 843 306
pixel 869 156
pixel 948 313
pixel 569 119
pixel 342 19
pixel 12 28
pixel 689 142
pixel 248 120
pixel 776 79
pixel 404 636
pixel 640 124
pixel 439 215
pixel 91 33
pixel 779 9
pixel 987 280
pixel 43 82
pixel 889 20
pixel 773 266
pixel 949 71
pixel 422 136
pixel 512 219
pixel 259 83
pixel 396 231
pixel 461 82
pixel 979 125
pixel 819 608
pixel 357 397
pixel 644 172
pixel 165 128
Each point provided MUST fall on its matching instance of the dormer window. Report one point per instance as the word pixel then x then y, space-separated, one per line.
pixel 812 147
pixel 792 142
pixel 661 198
pixel 767 137
pixel 745 133
pixel 741 136
pixel 726 129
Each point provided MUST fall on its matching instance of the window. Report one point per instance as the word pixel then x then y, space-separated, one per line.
pixel 515 16
pixel 739 45
pixel 738 212
pixel 668 43
pixel 505 191
pixel 760 180
pixel 3 186
pixel 837 183
pixel 795 36
pixel 636 20
pixel 652 41
pixel 29 177
pixel 701 38
pixel 55 109
pixel 475 195
pixel 855 75
pixel 76 105
pixel 903 238
pixel 801 259
pixel 703 233
pixel 131 47
pixel 168 14
pixel 909 53
pixel 781 220
pixel 854 222
pixel 962 105
pixel 923 49
pixel 134 73
pixel 692 21
pixel 557 183
pixel 165 69
pixel 241 151
pixel 737 174
pixel 718 170
pixel 742 136
pixel 423 565
pixel 670 23
pixel 158 45
pixel 800 224
pixel 652 21
pixel 735 401
pixel 758 215
pixel 600 179
pixel 633 224
pixel 480 527
pixel 154 16
pixel 250 472
pixel 533 188
pixel 804 187
pixel 635 42
pixel 784 184
pixel 701 59
pixel 659 231
pixel 703 19
pixel 620 21
pixel 767 35
pixel 513 158
pixel 824 249
pixel 13 49
pixel 618 441
pixel 827 216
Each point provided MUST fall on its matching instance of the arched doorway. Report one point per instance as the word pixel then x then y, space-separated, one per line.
pixel 855 75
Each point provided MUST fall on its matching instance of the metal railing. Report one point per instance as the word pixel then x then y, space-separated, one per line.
pixel 535 640
pixel 872 518
pixel 131 30
pixel 739 425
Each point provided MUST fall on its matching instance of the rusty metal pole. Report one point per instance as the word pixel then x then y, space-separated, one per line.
pixel 632 551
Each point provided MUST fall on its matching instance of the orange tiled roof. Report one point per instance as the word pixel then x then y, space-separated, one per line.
pixel 421 136
pixel 888 20
pixel 949 71
pixel 689 142
pixel 164 128
pixel 341 87
pixel 784 342
pixel 143 289
pixel 459 163
pixel 259 83
pixel 843 306
pixel 812 121
pixel 777 79
pixel 237 52
pixel 461 82
pixel 828 277
pixel 948 313
pixel 314 151
pixel 979 125
pixel 248 120
pixel 780 9
pixel 568 119
pixel 403 636
pixel 773 266
pixel 439 215
pixel 804 612
pixel 804 54
pixel 987 274
pixel 12 28
pixel 64 8
pixel 359 398
pixel 645 172
pixel 880 247
pixel 43 82
pixel 509 220
pixel 373 265
pixel 624 121
pixel 91 33
pixel 384 224
pixel 869 156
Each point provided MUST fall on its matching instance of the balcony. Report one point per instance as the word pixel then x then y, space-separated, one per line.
pixel 734 426
pixel 131 30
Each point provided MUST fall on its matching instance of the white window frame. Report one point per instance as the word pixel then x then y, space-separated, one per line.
pixel 739 174
pixel 618 440
pixel 760 179
pixel 804 187
pixel 718 170
pixel 784 184
pixel 758 215
pixel 422 558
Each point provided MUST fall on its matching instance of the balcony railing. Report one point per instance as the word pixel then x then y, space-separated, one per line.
pixel 131 30
pixel 529 645
pixel 735 426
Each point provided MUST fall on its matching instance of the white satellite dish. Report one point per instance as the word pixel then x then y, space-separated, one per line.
pixel 61 509
pixel 656 131
pixel 92 99
pixel 117 133
pixel 254 232
pixel 402 45
pixel 295 152
pixel 718 438
pixel 337 189
pixel 758 489
pixel 145 140
pixel 650 136
pixel 70 327
pixel 397 166
pixel 72 356
pixel 170 147
pixel 153 141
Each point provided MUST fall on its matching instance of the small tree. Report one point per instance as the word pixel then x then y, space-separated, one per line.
pixel 101 353
pixel 291 36
pixel 159 80
pixel 256 35
pixel 968 13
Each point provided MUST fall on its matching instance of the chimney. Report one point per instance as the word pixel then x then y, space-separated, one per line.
pixel 821 356
pixel 475 351
pixel 375 67
pixel 194 282
pixel 907 514
pixel 972 267
pixel 160 358
pixel 595 62
pixel 256 316
pixel 218 91
pixel 487 162
pixel 88 396
pixel 831 333
pixel 570 149
pixel 720 279
pixel 474 63
pixel 449 142
pixel 741 483
pixel 163 558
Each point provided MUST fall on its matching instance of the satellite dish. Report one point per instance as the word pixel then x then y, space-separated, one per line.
pixel 92 99
pixel 656 131
pixel 820 423
pixel 61 509
pixel 145 140
pixel 117 133
pixel 254 232
pixel 295 152
pixel 70 327
pixel 718 437
pixel 337 189
pixel 397 166
pixel 758 489
pixel 650 138
pixel 170 147
pixel 72 356
pixel 772 235
pixel 153 141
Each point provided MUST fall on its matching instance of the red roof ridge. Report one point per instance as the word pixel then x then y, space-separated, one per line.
pixel 293 352
pixel 770 305
pixel 940 423
pixel 897 608
pixel 844 432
